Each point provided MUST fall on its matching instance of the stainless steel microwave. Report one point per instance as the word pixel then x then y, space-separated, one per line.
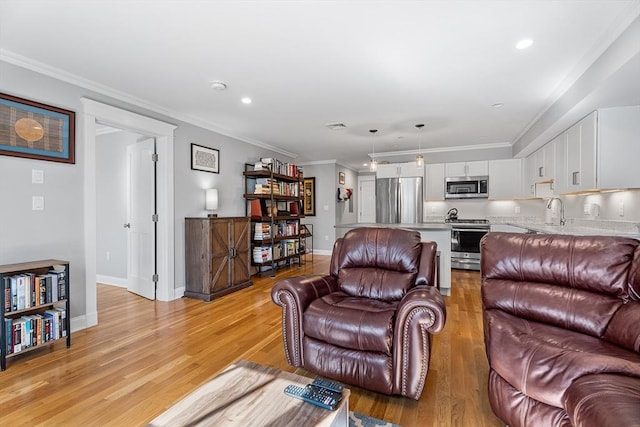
pixel 469 187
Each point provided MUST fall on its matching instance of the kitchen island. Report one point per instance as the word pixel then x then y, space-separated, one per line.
pixel 435 232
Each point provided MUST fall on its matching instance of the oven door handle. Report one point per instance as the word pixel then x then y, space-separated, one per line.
pixel 481 230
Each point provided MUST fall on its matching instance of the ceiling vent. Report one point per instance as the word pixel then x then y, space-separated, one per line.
pixel 336 126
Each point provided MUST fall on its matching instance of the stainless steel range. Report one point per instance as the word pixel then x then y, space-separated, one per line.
pixel 465 242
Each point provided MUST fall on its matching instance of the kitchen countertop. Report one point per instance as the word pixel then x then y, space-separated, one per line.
pixel 573 229
pixel 426 226
pixel 569 228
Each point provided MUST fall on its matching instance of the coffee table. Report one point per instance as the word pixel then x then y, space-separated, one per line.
pixel 248 394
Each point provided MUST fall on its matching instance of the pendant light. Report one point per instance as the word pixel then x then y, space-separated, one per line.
pixel 373 164
pixel 419 158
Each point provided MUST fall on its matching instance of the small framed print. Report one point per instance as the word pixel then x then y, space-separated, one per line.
pixel 309 193
pixel 341 178
pixel 205 159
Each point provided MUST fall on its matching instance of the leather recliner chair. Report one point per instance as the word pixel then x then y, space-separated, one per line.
pixel 562 329
pixel 369 321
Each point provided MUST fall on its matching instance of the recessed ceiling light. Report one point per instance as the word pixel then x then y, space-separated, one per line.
pixel 498 105
pixel 523 44
pixel 218 85
pixel 365 164
pixel 246 100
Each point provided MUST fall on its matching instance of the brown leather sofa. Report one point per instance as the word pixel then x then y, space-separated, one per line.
pixel 562 329
pixel 368 322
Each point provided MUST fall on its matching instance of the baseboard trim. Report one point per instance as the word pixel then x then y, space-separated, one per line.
pixel 178 292
pixel 111 280
pixel 322 252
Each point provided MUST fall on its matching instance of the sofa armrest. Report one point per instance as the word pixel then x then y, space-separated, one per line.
pixel 294 296
pixel 603 399
pixel 421 312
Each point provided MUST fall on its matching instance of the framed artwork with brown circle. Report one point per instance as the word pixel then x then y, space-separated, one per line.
pixel 38 131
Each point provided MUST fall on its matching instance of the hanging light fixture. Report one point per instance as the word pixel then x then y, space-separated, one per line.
pixel 373 164
pixel 419 158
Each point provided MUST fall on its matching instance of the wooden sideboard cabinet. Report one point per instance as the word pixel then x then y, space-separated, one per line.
pixel 217 256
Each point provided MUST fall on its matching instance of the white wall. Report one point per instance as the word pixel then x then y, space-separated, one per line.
pixel 325 219
pixel 347 211
pixel 111 204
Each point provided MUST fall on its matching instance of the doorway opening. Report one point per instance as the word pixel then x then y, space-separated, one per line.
pixel 92 113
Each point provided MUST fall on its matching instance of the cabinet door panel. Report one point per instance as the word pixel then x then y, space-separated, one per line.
pixel 242 249
pixel 220 268
pixel 435 182
pixel 455 169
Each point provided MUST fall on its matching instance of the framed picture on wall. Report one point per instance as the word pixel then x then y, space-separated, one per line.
pixel 205 159
pixel 36 131
pixel 341 178
pixel 309 192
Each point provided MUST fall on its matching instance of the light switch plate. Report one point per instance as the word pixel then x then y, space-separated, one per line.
pixel 37 176
pixel 37 203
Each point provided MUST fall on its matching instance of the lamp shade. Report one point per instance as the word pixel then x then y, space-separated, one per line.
pixel 211 199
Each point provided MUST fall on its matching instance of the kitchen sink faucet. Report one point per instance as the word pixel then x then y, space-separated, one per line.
pixel 562 219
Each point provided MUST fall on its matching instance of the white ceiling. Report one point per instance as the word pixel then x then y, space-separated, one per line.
pixel 368 64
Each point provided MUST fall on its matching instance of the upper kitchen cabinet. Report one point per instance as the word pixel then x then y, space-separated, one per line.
pixel 505 179
pixel 581 155
pixel 479 168
pixel 434 187
pixel 399 170
pixel 540 171
pixel 618 147
pixel 599 152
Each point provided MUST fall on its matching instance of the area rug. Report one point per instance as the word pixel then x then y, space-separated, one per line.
pixel 360 420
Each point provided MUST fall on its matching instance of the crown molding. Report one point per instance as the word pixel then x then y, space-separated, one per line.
pixel 58 74
pixel 442 149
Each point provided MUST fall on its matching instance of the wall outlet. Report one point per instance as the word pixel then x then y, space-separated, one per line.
pixel 517 209
pixel 108 255
pixel 621 208
pixel 586 209
pixel 326 237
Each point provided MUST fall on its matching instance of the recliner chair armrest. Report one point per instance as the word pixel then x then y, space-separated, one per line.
pixel 294 296
pixel 304 289
pixel 426 297
pixel 421 312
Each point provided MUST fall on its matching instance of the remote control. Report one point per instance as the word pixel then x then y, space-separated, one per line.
pixel 318 396
pixel 328 384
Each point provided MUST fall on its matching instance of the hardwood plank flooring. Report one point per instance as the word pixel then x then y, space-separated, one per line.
pixel 144 356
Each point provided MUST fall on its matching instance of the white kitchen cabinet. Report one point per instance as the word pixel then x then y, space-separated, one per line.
pixel 387 171
pixel 410 170
pixel 505 179
pixel 399 170
pixel 530 176
pixel 560 179
pixel 434 187
pixel 581 155
pixel 618 147
pixel 479 168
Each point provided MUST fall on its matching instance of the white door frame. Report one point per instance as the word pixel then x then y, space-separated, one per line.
pixel 93 111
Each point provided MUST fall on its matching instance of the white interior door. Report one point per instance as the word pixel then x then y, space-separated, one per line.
pixel 367 199
pixel 141 227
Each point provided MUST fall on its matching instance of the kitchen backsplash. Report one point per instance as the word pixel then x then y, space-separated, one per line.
pixel 601 207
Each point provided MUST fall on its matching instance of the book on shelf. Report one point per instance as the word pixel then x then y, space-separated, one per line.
pixel 23 291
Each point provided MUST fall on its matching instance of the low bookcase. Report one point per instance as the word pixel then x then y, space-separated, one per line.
pixel 34 304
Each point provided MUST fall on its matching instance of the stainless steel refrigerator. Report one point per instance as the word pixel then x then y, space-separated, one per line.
pixel 399 200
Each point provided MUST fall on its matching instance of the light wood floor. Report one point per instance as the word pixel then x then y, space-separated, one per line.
pixel 144 356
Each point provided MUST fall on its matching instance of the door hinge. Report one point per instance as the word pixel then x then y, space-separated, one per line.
pixel 154 278
pixel 154 157
pixel 154 217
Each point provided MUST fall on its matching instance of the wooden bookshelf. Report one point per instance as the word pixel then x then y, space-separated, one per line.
pixel 35 297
